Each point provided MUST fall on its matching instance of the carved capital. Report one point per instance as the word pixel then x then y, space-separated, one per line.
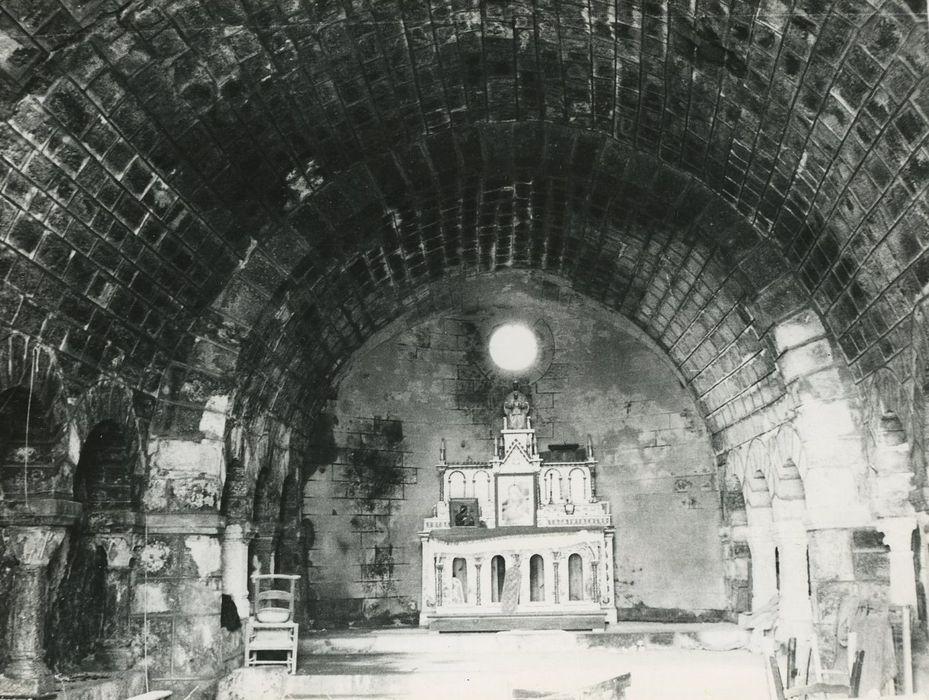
pixel 243 531
pixel 33 546
pixel 120 549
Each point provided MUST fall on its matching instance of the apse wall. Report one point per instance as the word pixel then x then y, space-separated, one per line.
pixel 422 381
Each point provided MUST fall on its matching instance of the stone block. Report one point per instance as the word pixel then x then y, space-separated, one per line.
pixel 798 330
pixel 206 554
pixel 832 499
pixel 197 493
pixel 152 597
pixel 824 419
pixel 831 555
pixel 152 645
pixel 213 422
pixel 197 597
pixel 196 650
pixel 824 385
pixel 805 359
pixel 871 566
pixel 187 456
pixel 250 683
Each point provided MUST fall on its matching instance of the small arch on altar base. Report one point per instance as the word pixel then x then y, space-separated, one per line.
pixel 577 486
pixel 552 482
pixel 536 578
pixel 481 484
pixel 457 485
pixel 497 577
pixel 575 576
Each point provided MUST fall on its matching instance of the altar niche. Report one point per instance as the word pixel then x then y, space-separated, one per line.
pixel 515 543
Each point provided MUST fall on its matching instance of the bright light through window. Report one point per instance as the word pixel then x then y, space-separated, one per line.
pixel 513 347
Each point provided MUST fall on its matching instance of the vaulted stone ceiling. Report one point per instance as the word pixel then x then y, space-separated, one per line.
pixel 186 179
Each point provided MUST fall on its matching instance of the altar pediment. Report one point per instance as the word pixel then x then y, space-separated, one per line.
pixel 517 460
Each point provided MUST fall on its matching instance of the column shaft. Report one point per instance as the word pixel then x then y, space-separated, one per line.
pixel 235 567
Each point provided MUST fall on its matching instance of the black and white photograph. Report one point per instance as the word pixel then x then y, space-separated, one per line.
pixel 480 349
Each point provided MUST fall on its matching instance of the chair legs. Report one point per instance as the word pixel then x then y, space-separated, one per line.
pixel 267 637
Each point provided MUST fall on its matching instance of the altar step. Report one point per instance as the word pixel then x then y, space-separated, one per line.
pixel 624 635
pixel 665 660
pixel 486 667
pixel 447 685
pixel 524 621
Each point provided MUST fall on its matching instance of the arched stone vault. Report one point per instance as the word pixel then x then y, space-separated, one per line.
pixel 212 204
pixel 199 129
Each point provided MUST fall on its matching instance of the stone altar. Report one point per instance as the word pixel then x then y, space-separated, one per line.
pixel 515 542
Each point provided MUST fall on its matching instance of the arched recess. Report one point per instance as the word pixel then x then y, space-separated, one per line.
pixel 96 570
pixel 888 414
pixel 788 463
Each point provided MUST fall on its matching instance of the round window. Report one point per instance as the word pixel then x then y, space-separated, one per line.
pixel 513 347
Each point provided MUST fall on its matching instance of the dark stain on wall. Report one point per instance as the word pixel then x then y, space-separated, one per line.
pixel 373 475
pixel 77 594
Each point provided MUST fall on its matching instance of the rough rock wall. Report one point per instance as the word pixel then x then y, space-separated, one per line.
pixel 403 395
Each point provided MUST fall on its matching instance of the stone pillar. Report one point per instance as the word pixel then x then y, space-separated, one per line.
pixel 26 674
pixel 116 653
pixel 176 604
pixel 795 614
pixel 898 533
pixel 760 537
pixel 235 565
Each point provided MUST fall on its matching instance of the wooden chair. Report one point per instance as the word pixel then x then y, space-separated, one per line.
pixel 270 632
pixel 820 689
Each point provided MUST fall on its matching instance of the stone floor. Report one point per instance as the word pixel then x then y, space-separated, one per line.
pixel 665 662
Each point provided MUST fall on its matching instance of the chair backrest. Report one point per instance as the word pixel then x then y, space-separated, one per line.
pixel 274 597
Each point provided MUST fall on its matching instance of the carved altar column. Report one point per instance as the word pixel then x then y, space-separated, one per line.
pixel 236 537
pixel 439 581
pixel 609 597
pixel 595 580
pixel 478 581
pixel 27 674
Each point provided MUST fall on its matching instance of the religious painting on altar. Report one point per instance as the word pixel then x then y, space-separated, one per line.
pixel 515 500
pixel 463 512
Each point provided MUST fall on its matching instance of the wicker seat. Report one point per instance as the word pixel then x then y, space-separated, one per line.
pixel 270 632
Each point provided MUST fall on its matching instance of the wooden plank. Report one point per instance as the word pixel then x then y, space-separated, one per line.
pixel 791 661
pixel 776 678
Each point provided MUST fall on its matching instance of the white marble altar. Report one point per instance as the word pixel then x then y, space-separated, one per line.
pixel 518 543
